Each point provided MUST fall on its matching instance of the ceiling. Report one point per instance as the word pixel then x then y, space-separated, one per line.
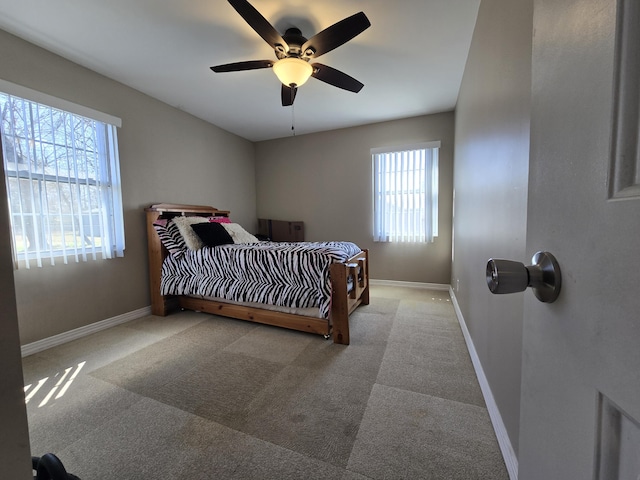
pixel 411 59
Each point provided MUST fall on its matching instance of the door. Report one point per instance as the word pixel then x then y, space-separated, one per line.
pixel 580 403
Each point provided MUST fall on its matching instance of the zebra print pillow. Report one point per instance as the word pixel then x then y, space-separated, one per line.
pixel 170 236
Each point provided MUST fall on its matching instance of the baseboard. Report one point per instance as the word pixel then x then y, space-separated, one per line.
pixel 45 343
pixel 397 283
pixel 504 441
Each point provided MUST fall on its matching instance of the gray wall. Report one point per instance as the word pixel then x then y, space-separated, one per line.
pixel 491 175
pixel 166 155
pixel 324 179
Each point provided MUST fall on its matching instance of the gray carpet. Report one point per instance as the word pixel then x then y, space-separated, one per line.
pixel 193 396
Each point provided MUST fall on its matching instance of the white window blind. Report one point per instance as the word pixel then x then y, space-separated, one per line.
pixel 405 193
pixel 62 181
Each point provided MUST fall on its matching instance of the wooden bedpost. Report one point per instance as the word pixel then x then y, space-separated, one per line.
pixel 157 254
pixel 339 304
pixel 365 293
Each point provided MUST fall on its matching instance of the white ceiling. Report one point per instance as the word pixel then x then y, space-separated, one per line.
pixel 411 59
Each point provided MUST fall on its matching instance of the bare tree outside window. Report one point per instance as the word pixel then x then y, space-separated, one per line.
pixel 59 173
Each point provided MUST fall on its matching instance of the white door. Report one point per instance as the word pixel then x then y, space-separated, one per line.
pixel 581 354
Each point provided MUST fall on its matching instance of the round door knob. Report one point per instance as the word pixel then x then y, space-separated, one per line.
pixel 508 276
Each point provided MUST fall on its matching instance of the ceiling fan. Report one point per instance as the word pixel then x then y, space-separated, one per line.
pixel 294 52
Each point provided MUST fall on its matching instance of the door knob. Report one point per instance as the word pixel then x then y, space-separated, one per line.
pixel 507 276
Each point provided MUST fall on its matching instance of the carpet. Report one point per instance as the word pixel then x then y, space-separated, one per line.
pixel 196 396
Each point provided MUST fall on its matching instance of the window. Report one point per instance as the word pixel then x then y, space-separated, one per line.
pixel 405 193
pixel 62 181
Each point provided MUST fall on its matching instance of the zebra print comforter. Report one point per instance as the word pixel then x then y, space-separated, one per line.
pixel 282 274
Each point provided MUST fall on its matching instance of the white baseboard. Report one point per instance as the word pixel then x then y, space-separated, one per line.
pixel 397 283
pixel 510 458
pixel 40 345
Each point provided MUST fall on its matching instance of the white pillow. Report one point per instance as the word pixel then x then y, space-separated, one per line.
pixel 239 234
pixel 191 238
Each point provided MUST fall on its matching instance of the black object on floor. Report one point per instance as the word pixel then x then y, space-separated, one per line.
pixel 49 467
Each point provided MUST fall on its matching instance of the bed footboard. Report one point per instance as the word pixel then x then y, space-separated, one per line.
pixel 344 300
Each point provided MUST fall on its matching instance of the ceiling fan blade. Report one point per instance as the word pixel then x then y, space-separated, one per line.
pixel 336 78
pixel 259 24
pixel 239 66
pixel 288 95
pixel 336 35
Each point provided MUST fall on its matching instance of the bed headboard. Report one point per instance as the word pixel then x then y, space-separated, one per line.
pixel 157 252
pixel 173 209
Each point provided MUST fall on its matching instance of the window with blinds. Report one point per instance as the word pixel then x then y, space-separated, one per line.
pixel 405 193
pixel 62 182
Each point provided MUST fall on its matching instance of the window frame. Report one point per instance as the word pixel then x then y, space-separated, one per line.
pixel 430 191
pixel 105 182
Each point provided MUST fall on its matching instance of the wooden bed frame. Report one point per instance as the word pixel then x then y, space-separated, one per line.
pixel 342 302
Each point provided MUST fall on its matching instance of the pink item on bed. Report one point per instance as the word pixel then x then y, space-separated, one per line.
pixel 220 219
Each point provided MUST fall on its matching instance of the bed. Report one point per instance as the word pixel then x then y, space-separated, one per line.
pixel 206 278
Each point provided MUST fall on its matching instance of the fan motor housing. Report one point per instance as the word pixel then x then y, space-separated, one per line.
pixel 295 40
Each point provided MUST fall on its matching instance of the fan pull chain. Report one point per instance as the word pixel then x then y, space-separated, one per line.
pixel 293 121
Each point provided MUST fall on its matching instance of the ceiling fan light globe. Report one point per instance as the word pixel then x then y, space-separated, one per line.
pixel 292 71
